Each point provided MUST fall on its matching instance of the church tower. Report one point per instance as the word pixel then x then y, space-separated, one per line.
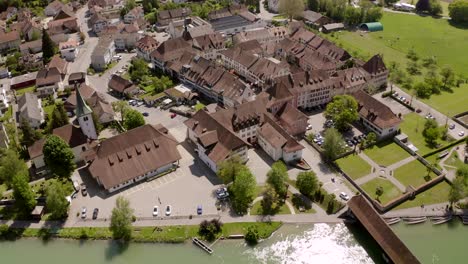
pixel 84 114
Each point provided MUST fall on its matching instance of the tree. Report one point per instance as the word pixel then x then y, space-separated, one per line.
pixel 120 107
pixel 413 68
pixel 435 8
pixel 11 165
pixel 58 118
pixel 29 135
pixel 133 119
pixel 448 77
pixel 307 183
pixel 422 90
pixel 138 70
pixel 96 122
pixel 457 190
pixel 271 201
pixel 430 61
pixel 333 145
pixel 379 191
pixel 129 5
pixel 277 177
pixel 242 190
pixel 352 16
pixel 58 156
pixel 121 219
pixel 48 47
pixel 373 14
pixel 313 5
pixel 228 168
pixel 22 193
pixel 431 132
pixel 343 111
pixel 423 6
pixel 291 8
pixel 252 236
pixel 458 11
pixel 149 5
pixel 56 201
pixel 412 55
pixel 371 139
pixel 209 229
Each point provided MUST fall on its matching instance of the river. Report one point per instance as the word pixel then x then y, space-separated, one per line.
pixel 319 243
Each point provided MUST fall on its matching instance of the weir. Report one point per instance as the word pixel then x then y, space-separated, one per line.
pixel 393 247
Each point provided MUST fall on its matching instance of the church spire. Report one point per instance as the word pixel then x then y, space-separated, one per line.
pixel 81 107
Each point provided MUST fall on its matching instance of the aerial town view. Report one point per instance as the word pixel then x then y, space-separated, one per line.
pixel 233 131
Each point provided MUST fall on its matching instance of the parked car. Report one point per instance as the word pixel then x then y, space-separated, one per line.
pixel 168 210
pixel 309 127
pixel 222 193
pixel 83 212
pixel 344 196
pixel 84 192
pixel 199 210
pixel 462 133
pixel 145 114
pixel 95 213
pixel 173 115
pixel 452 126
pixel 155 210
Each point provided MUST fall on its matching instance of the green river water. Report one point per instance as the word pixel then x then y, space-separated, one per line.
pixel 319 243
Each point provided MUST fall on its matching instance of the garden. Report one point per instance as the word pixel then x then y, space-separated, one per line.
pixel 386 153
pixel 381 190
pixel 436 194
pixel 414 174
pixel 354 166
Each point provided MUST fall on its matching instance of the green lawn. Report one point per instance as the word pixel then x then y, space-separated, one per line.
pixel 386 153
pixel 258 210
pixel 24 90
pixel 412 173
pixel 437 194
pixel 390 191
pixel 428 37
pixel 454 160
pixel 48 109
pixel 174 234
pixel 413 125
pixel 354 166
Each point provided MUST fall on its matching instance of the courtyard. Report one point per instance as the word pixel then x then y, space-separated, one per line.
pixel 386 153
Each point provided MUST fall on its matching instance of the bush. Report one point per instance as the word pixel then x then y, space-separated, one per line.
pixel 252 236
pixel 209 229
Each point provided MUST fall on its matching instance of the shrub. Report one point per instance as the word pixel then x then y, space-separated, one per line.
pixel 252 236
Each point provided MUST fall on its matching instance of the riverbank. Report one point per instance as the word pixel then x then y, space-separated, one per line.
pixel 156 234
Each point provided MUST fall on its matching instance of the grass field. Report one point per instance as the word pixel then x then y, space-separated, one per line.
pixel 390 191
pixel 258 210
pixel 354 166
pixel 386 153
pixel 413 125
pixel 428 37
pixel 29 89
pixel 437 194
pixel 412 173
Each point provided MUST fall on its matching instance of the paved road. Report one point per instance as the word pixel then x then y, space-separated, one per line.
pixel 442 119
pixel 264 13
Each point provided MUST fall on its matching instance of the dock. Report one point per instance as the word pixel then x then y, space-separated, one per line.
pixel 202 245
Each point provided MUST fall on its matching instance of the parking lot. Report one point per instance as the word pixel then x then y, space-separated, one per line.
pixel 192 184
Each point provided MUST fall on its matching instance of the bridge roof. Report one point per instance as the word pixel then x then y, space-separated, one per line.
pixel 381 231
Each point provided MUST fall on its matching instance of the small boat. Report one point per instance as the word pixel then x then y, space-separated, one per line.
pixel 393 220
pixel 464 219
pixel 414 220
pixel 441 220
